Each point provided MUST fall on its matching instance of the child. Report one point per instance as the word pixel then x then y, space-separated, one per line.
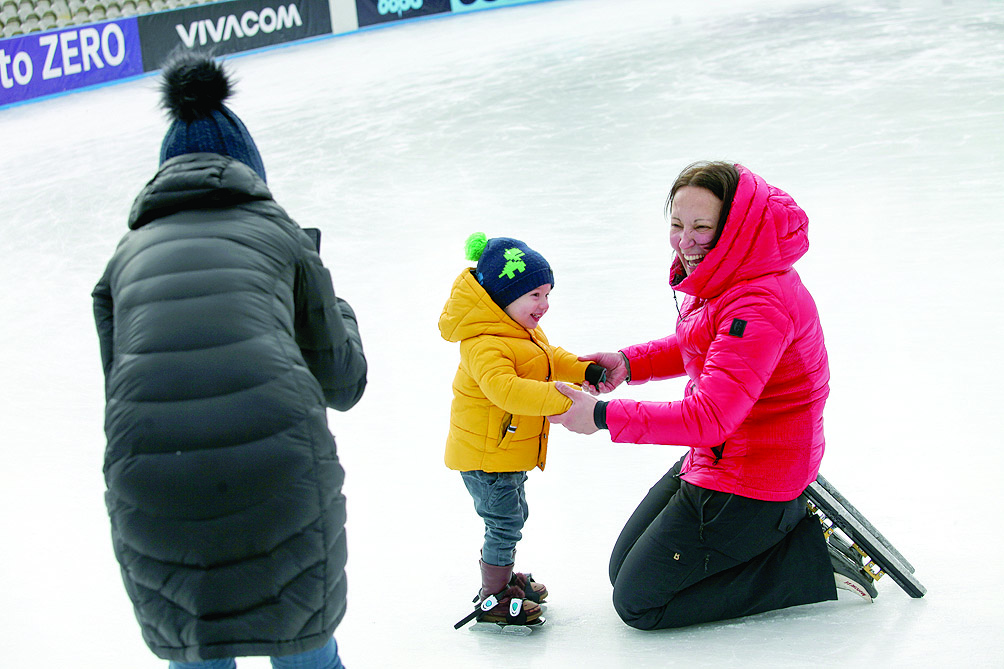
pixel 502 392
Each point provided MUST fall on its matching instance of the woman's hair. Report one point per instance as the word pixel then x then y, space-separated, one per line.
pixel 720 178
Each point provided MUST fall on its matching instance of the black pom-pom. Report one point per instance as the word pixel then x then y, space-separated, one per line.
pixel 194 86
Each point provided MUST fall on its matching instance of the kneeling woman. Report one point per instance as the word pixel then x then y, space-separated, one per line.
pixel 725 533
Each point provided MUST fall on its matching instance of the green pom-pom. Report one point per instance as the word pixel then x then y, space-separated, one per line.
pixel 475 246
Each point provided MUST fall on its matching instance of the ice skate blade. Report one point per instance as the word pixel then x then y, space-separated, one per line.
pixel 507 628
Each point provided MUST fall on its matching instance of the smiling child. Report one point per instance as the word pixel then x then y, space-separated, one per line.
pixel 503 389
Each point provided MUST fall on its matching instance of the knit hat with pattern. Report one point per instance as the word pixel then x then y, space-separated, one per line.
pixel 507 268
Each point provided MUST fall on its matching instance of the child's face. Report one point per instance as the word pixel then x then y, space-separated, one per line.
pixel 529 308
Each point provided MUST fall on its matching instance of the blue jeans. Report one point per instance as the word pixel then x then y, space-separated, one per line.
pixel 325 657
pixel 500 500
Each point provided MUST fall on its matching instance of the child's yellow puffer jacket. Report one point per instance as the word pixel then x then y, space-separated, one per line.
pixel 504 386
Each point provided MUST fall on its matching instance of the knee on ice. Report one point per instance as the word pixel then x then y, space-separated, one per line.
pixel 639 620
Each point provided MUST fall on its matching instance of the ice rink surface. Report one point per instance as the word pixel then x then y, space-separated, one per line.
pixel 563 124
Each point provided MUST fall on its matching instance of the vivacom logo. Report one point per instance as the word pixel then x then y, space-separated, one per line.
pixel 398 7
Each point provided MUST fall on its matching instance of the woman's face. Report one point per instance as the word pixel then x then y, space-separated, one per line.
pixel 693 220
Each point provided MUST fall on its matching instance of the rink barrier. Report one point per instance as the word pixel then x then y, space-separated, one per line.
pixel 39 65
pixel 230 27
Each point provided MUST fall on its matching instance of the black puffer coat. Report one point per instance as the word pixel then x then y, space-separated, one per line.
pixel 222 343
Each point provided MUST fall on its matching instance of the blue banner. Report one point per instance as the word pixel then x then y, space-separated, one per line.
pixel 52 62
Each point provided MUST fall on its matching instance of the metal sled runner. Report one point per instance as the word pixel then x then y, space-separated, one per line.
pixel 878 555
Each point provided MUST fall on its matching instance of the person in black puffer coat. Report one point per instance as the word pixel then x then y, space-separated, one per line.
pixel 222 343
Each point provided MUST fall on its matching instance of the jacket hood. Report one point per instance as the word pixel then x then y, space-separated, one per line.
pixel 765 233
pixel 196 181
pixel 470 312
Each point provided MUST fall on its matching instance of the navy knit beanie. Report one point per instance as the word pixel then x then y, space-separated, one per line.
pixel 194 89
pixel 507 268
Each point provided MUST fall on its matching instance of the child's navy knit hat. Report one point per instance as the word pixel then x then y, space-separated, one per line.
pixel 194 88
pixel 507 268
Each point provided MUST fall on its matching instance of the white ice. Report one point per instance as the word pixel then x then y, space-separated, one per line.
pixel 561 123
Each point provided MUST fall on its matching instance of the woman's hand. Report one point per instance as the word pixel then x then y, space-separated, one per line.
pixel 616 371
pixel 579 418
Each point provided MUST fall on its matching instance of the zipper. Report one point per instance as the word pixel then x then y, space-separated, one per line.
pixel 718 451
pixel 547 377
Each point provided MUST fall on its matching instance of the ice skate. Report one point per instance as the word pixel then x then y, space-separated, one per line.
pixel 848 575
pixel 507 607
pixel 860 554
pixel 534 591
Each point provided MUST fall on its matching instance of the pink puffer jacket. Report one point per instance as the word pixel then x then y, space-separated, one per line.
pixel 749 338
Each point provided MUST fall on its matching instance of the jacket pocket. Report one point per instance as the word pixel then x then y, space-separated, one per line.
pixel 506 430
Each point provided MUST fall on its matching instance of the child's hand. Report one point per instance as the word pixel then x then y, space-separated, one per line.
pixel 595 375
pixel 617 371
